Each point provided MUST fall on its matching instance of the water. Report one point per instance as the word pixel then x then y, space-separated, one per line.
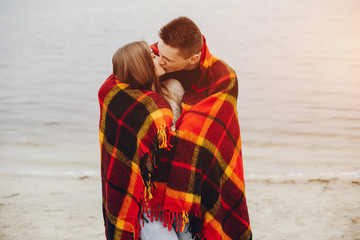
pixel 298 65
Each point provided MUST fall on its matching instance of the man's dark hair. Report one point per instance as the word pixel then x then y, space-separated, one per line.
pixel 182 33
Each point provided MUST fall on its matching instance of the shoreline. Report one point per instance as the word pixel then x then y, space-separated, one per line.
pixel 69 207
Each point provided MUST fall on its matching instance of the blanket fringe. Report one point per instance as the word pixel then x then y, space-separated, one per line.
pixel 167 217
pixel 154 211
pixel 163 139
pixel 150 206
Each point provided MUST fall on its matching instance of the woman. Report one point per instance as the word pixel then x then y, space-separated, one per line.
pixel 134 126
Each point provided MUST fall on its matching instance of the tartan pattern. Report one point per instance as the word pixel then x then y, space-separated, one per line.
pixel 205 168
pixel 133 124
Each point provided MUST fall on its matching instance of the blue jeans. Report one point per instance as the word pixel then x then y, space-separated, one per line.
pixel 156 231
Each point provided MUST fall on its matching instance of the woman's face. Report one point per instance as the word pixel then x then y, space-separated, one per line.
pixel 159 70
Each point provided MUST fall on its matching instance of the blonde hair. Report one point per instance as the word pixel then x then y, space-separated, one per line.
pixel 133 64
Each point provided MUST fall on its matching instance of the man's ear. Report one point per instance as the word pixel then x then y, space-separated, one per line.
pixel 195 58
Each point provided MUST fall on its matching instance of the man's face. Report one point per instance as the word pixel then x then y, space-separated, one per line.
pixel 170 59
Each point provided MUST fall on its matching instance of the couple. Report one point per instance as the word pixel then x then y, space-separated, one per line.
pixel 171 160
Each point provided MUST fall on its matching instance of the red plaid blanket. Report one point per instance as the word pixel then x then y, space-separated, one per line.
pixel 205 178
pixel 133 124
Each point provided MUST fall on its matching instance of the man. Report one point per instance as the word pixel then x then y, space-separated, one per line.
pixel 205 173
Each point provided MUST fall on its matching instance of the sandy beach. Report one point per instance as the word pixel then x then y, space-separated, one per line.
pixel 69 207
pixel 50 207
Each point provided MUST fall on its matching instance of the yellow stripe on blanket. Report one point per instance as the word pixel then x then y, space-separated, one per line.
pixel 208 219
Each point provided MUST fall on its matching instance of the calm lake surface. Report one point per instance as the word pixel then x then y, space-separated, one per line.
pixel 298 65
